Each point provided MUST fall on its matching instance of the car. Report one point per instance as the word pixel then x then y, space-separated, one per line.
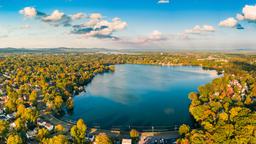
pixel 90 137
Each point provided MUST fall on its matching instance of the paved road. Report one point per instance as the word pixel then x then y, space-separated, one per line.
pixel 159 138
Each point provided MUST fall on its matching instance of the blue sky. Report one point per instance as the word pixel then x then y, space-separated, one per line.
pixel 177 24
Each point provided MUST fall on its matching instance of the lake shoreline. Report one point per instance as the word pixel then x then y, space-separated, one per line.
pixel 192 66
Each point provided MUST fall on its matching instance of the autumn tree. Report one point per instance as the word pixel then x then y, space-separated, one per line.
pixel 58 139
pixel 70 103
pixel 4 126
pixel 59 128
pixel 58 101
pixel 33 97
pixel 14 139
pixel 19 124
pixel 134 134
pixel 78 131
pixel 184 129
pixel 102 138
pixel 42 133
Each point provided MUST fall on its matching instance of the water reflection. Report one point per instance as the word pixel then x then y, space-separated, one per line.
pixel 141 95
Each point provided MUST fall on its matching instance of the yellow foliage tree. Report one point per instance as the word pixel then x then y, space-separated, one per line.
pixel 102 138
pixel 33 97
pixel 14 139
pixel 59 128
pixel 58 101
pixel 223 116
pixel 59 139
pixel 184 129
pixel 3 128
pixel 42 133
pixel 78 131
pixel 134 133
pixel 19 124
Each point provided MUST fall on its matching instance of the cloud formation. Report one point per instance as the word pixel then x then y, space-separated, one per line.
pixel 200 29
pixel 152 37
pixel 28 12
pixel 78 16
pixel 231 23
pixel 55 16
pixel 248 13
pixel 164 1
pixel 96 16
pixel 58 18
pixel 100 28
pixel 95 26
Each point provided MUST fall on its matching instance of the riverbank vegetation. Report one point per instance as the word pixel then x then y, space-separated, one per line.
pixel 34 87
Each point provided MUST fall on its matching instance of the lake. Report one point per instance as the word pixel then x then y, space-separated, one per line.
pixel 140 96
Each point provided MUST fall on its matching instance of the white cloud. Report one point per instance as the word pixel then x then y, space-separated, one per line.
pixel 100 28
pixel 28 11
pixel 96 26
pixel 118 24
pixel 229 22
pixel 164 1
pixel 55 16
pixel 96 16
pixel 200 29
pixel 240 17
pixel 249 12
pixel 78 16
pixel 154 36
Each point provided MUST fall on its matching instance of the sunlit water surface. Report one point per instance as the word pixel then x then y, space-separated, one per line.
pixel 140 95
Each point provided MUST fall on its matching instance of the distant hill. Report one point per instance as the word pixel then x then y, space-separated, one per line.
pixel 112 51
pixel 53 50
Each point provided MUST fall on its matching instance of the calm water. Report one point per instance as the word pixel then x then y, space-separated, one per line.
pixel 141 95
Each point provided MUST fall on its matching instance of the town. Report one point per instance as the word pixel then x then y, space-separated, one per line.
pixel 37 90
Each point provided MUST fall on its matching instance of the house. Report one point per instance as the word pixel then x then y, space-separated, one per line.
pixel 126 141
pixel 11 116
pixel 13 125
pixel 31 134
pixel 7 76
pixel 90 137
pixel 49 126
pixel 40 122
pixel 25 97
pixel 45 124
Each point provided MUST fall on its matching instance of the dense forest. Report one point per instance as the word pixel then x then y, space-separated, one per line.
pixel 36 86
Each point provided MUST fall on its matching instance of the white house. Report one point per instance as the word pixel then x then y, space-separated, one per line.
pixel 49 126
pixel 126 141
